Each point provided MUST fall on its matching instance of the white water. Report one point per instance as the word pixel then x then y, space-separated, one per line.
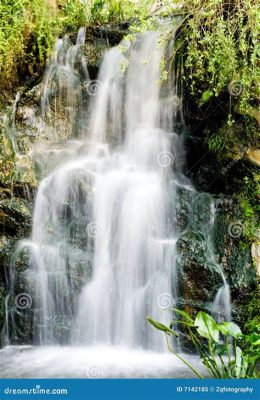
pixel 221 307
pixel 103 246
pixel 62 88
pixel 125 212
pixel 90 363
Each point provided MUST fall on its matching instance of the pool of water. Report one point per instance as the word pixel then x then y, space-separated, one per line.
pixel 90 363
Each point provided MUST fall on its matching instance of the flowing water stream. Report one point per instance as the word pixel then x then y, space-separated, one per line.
pixel 102 255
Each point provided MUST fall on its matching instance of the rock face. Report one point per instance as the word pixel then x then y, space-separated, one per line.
pixel 15 224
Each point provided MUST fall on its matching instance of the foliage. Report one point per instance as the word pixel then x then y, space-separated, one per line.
pixel 217 42
pixel 220 38
pixel 224 351
pixel 248 198
pixel 29 28
pixel 24 27
pixel 252 311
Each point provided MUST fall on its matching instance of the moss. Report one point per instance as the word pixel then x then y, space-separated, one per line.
pixel 15 217
pixel 7 159
pixel 249 310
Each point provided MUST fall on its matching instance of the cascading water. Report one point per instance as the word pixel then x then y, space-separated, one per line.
pixel 221 307
pixel 62 88
pixel 125 208
pixel 131 205
pixel 103 247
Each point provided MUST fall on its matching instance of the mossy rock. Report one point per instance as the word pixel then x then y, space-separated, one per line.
pixel 198 279
pixel 15 217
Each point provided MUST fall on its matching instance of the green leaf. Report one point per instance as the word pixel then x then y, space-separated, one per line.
pixel 161 327
pixel 206 96
pixel 253 338
pixel 238 361
pixel 229 328
pixel 184 314
pixel 223 349
pixel 207 326
pixel 244 367
pixel 181 322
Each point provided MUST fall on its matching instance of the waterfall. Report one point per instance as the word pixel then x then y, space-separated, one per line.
pixel 103 246
pixel 62 88
pixel 124 208
pixel 131 266
pixel 221 307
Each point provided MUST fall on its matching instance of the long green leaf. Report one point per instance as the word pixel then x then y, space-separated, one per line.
pixel 184 314
pixel 161 327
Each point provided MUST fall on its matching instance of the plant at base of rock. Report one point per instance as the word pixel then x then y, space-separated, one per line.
pixel 224 351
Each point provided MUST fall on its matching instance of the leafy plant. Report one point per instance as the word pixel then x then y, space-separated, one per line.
pixel 224 351
pixel 221 49
pixel 29 29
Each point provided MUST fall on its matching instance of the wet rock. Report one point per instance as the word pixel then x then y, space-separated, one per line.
pixel 198 279
pixel 15 217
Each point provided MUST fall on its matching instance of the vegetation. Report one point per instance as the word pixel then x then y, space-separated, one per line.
pixel 217 48
pixel 222 50
pixel 217 39
pixel 7 160
pixel 29 28
pixel 224 351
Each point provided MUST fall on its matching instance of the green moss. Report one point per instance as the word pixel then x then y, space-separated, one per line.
pixel 7 160
pixel 252 310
